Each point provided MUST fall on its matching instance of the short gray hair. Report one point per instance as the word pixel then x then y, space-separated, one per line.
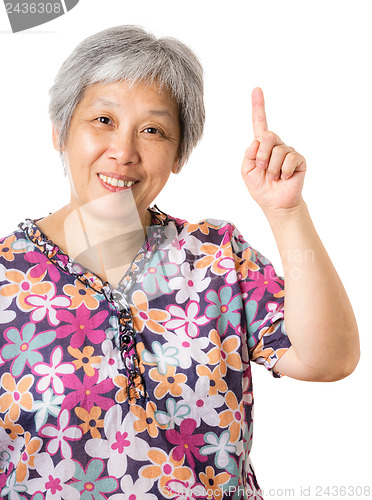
pixel 130 53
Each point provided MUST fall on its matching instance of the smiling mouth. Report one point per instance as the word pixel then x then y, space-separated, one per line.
pixel 114 184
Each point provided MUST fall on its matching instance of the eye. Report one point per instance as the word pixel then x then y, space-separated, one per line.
pixel 104 120
pixel 152 130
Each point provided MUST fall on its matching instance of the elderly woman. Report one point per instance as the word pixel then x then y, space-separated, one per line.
pixel 127 333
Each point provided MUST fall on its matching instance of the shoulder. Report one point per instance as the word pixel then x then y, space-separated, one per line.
pixel 204 228
pixel 208 231
pixel 13 246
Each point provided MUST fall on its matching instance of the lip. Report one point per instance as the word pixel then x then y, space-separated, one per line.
pixel 117 176
pixel 114 189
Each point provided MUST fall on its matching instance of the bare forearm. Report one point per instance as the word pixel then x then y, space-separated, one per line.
pixel 318 316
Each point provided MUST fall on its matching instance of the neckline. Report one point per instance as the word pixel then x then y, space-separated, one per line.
pixel 63 261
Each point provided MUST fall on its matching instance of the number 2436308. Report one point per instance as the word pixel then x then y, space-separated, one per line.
pixel 33 8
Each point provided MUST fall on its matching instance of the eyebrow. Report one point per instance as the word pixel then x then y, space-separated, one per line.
pixel 108 102
pixel 160 112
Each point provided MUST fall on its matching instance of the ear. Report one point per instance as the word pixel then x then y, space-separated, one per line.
pixel 176 166
pixel 55 139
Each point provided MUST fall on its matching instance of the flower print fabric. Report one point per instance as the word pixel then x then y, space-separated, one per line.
pixel 199 305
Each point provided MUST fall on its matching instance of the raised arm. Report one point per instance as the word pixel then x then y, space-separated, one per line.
pixel 318 317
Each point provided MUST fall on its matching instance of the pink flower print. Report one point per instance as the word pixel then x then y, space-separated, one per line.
pixel 186 319
pixel 52 479
pixel 176 247
pixel 81 325
pixel 178 244
pixel 43 265
pixel 121 442
pixel 87 393
pixel 46 305
pixel 261 282
pixel 227 231
pixel 118 433
pixel 50 374
pixel 60 435
pixel 187 443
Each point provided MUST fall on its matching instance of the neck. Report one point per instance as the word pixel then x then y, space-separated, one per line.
pixel 105 246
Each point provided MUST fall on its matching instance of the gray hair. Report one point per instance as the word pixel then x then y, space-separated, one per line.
pixel 130 53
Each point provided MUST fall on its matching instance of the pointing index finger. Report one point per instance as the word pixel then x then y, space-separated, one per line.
pixel 258 113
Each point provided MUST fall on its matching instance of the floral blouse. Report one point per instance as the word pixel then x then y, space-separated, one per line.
pixel 139 392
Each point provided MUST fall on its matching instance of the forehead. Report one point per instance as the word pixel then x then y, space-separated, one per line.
pixel 123 93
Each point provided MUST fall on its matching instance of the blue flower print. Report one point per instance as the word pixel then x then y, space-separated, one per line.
pixel 89 483
pixel 50 405
pixel 23 346
pixel 221 446
pixel 157 273
pixel 250 312
pixel 162 356
pixel 224 307
pixel 174 415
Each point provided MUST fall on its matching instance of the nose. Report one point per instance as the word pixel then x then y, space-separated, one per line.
pixel 124 148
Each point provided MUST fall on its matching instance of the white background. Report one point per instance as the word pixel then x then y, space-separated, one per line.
pixel 313 62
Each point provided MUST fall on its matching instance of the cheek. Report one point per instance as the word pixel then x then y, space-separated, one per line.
pixel 91 147
pixel 84 149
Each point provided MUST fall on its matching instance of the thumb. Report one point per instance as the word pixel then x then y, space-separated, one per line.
pixel 249 161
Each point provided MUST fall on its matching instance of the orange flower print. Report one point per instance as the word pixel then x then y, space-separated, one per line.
pixel 245 264
pixel 225 353
pixel 165 469
pixel 266 356
pixel 213 254
pixel 170 382
pixel 143 316
pixel 28 456
pixel 6 251
pixel 121 381
pixel 146 419
pixel 91 421
pixel 85 359
pixel 233 417
pixel 79 294
pixel 17 396
pixel 216 383
pixel 13 430
pixel 22 285
pixel 140 348
pixel 202 226
pixel 213 482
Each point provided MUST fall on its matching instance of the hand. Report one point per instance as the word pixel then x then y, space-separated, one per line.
pixel 272 171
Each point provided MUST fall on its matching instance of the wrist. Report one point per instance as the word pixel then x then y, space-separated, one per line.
pixel 283 216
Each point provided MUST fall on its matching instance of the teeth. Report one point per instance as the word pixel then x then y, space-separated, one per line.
pixel 116 182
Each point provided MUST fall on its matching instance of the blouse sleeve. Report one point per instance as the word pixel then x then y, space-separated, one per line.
pixel 263 301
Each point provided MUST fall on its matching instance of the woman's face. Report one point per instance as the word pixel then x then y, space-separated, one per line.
pixel 130 134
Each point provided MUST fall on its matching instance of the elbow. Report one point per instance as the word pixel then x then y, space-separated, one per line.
pixel 349 360
pixel 349 366
pixel 345 367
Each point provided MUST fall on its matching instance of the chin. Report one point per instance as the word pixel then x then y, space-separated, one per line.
pixel 113 206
